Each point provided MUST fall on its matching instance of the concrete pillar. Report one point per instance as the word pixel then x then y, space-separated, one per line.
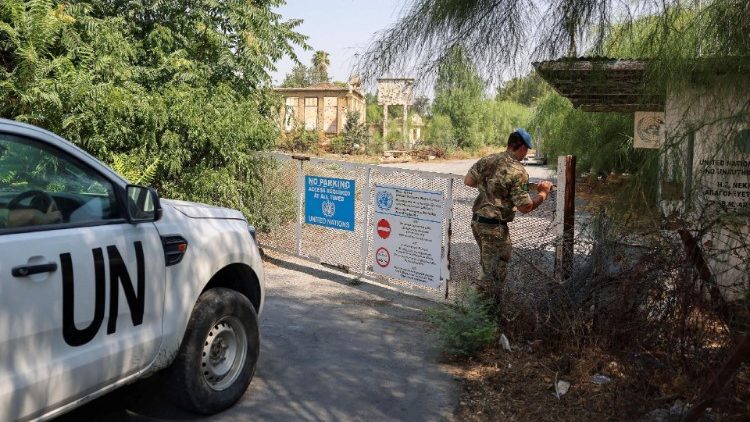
pixel 385 122
pixel 300 112
pixel 405 130
pixel 321 108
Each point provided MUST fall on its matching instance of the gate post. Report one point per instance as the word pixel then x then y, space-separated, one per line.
pixel 364 247
pixel 300 204
pixel 448 215
pixel 566 168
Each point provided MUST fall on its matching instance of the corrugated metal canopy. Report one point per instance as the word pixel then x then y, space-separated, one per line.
pixel 602 84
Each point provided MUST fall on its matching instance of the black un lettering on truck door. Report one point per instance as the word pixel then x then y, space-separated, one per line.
pixel 72 335
pixel 118 273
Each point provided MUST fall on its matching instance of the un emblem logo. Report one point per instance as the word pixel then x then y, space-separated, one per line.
pixel 384 200
pixel 329 208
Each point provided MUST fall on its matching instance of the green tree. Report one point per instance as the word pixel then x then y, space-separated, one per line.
pixel 132 79
pixel 303 76
pixel 601 142
pixel 299 77
pixel 440 133
pixel 421 105
pixel 500 118
pixel 319 69
pixel 525 90
pixel 355 136
pixel 459 94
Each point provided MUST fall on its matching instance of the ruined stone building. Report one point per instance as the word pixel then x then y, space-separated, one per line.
pixel 415 129
pixel 322 107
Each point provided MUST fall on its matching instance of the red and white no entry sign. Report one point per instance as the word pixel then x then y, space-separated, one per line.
pixel 383 257
pixel 384 228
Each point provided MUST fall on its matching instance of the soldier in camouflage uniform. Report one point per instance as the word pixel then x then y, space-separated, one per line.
pixel 503 185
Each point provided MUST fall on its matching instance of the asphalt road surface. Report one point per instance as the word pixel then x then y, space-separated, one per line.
pixel 461 167
pixel 332 349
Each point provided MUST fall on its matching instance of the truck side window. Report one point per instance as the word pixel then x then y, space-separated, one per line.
pixel 40 185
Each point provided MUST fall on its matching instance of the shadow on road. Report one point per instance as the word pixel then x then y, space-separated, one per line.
pixel 331 349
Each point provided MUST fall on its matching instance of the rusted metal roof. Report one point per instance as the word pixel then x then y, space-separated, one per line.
pixel 603 84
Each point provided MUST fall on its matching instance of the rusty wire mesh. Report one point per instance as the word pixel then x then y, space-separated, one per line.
pixel 282 238
pixel 534 235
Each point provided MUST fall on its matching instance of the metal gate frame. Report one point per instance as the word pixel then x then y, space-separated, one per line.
pixel 451 182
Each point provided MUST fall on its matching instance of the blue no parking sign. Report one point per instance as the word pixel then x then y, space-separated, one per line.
pixel 329 202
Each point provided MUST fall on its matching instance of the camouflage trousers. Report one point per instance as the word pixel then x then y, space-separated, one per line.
pixel 495 250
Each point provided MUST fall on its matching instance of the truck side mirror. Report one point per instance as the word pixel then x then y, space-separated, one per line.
pixel 142 204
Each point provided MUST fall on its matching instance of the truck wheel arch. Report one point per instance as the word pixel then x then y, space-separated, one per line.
pixel 239 277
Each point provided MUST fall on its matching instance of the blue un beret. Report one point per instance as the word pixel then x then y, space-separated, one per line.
pixel 524 136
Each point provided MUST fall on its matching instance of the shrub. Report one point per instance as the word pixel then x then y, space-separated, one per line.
pixel 375 146
pixel 440 133
pixel 341 145
pixel 466 328
pixel 355 133
pixel 300 140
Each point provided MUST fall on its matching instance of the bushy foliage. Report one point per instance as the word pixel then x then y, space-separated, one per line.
pixel 133 79
pixel 440 133
pixel 501 118
pixel 374 113
pixel 466 328
pixel 476 121
pixel 355 136
pixel 601 142
pixel 303 76
pixel 300 140
pixel 526 90
pixel 459 94
pixel 394 139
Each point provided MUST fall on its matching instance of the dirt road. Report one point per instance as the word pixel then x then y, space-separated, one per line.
pixel 461 167
pixel 332 349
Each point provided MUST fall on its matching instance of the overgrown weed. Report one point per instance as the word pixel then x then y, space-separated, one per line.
pixel 467 327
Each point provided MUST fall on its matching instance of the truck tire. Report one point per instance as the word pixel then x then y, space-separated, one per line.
pixel 218 354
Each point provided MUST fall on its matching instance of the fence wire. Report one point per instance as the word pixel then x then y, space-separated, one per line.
pixel 534 235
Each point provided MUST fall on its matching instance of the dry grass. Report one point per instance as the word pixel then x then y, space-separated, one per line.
pixel 518 386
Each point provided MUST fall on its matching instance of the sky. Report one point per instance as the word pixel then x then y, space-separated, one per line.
pixel 340 27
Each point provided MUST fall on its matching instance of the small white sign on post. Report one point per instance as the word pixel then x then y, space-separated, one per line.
pixel 396 91
pixel 407 234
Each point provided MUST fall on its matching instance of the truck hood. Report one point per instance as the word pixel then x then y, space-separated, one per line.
pixel 196 210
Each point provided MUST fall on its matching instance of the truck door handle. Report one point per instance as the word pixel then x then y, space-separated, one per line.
pixel 27 270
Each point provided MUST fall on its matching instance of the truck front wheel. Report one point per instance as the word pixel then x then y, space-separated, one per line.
pixel 217 358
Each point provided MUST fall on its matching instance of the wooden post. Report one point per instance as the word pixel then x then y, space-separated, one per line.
pixel 564 253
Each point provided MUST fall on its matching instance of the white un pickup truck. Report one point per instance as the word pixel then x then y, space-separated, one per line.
pixel 101 284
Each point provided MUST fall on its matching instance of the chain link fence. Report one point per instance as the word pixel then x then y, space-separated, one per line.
pixel 535 236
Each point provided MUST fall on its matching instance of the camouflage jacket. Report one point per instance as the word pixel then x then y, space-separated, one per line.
pixel 503 185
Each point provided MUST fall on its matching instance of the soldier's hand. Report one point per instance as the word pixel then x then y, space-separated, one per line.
pixel 545 186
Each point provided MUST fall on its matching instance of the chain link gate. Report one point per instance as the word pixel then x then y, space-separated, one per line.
pixel 535 236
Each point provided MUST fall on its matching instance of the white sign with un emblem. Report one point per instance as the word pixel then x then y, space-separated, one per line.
pixel 407 234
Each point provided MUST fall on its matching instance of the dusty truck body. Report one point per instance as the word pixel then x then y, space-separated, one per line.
pixel 102 283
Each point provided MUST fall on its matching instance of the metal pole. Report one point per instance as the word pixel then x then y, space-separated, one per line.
pixel 366 229
pixel 300 205
pixel 446 265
